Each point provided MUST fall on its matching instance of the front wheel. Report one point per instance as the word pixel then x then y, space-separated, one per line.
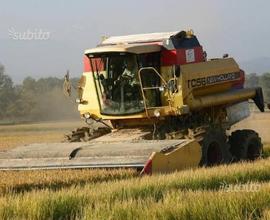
pixel 215 149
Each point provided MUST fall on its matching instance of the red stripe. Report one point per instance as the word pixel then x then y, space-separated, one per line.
pixel 147 168
pixel 178 56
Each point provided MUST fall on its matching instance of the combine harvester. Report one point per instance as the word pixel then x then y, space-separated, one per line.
pixel 164 107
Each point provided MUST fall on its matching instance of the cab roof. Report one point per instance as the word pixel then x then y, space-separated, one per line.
pixel 138 38
pixel 125 48
pixel 146 43
pixel 137 43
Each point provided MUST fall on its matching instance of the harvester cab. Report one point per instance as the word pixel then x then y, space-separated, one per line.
pixel 166 107
pixel 135 74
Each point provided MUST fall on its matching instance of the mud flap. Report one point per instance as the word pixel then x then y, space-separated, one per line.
pixel 184 156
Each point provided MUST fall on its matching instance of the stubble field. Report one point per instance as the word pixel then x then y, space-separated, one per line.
pixel 237 191
pixel 47 132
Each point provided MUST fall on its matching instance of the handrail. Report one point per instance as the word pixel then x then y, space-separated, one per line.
pixel 152 68
pixel 149 88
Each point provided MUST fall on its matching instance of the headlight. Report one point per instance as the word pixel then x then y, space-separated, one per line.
pixel 157 113
pixel 78 100
pixel 87 115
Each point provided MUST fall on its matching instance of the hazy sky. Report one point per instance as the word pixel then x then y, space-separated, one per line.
pixel 238 27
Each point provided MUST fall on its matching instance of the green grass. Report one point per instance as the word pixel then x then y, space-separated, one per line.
pixel 177 204
pixel 266 150
pixel 191 194
pixel 173 204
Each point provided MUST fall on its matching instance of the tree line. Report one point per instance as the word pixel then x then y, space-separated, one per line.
pixel 35 100
pixel 43 99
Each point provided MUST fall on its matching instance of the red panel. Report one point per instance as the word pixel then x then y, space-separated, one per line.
pixel 178 56
pixel 168 57
pixel 199 56
pixel 97 64
pixel 181 56
pixel 86 64
pixel 240 83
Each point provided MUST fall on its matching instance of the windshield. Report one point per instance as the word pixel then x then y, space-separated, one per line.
pixel 117 83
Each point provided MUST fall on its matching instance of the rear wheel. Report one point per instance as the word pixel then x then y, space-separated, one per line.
pixel 215 149
pixel 245 145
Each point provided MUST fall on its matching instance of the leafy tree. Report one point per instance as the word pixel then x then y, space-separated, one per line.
pixel 6 92
pixel 252 80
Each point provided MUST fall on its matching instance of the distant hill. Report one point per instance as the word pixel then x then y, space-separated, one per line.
pixel 259 65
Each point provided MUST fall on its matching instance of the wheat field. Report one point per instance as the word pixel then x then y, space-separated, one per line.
pixel 238 191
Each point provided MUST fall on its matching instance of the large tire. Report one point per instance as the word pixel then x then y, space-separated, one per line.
pixel 215 149
pixel 245 145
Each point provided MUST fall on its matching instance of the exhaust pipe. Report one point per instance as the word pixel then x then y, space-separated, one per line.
pixel 229 97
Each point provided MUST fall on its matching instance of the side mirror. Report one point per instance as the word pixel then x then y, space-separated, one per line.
pixel 177 70
pixel 172 85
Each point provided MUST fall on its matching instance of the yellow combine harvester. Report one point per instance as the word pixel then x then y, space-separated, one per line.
pixel 164 105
